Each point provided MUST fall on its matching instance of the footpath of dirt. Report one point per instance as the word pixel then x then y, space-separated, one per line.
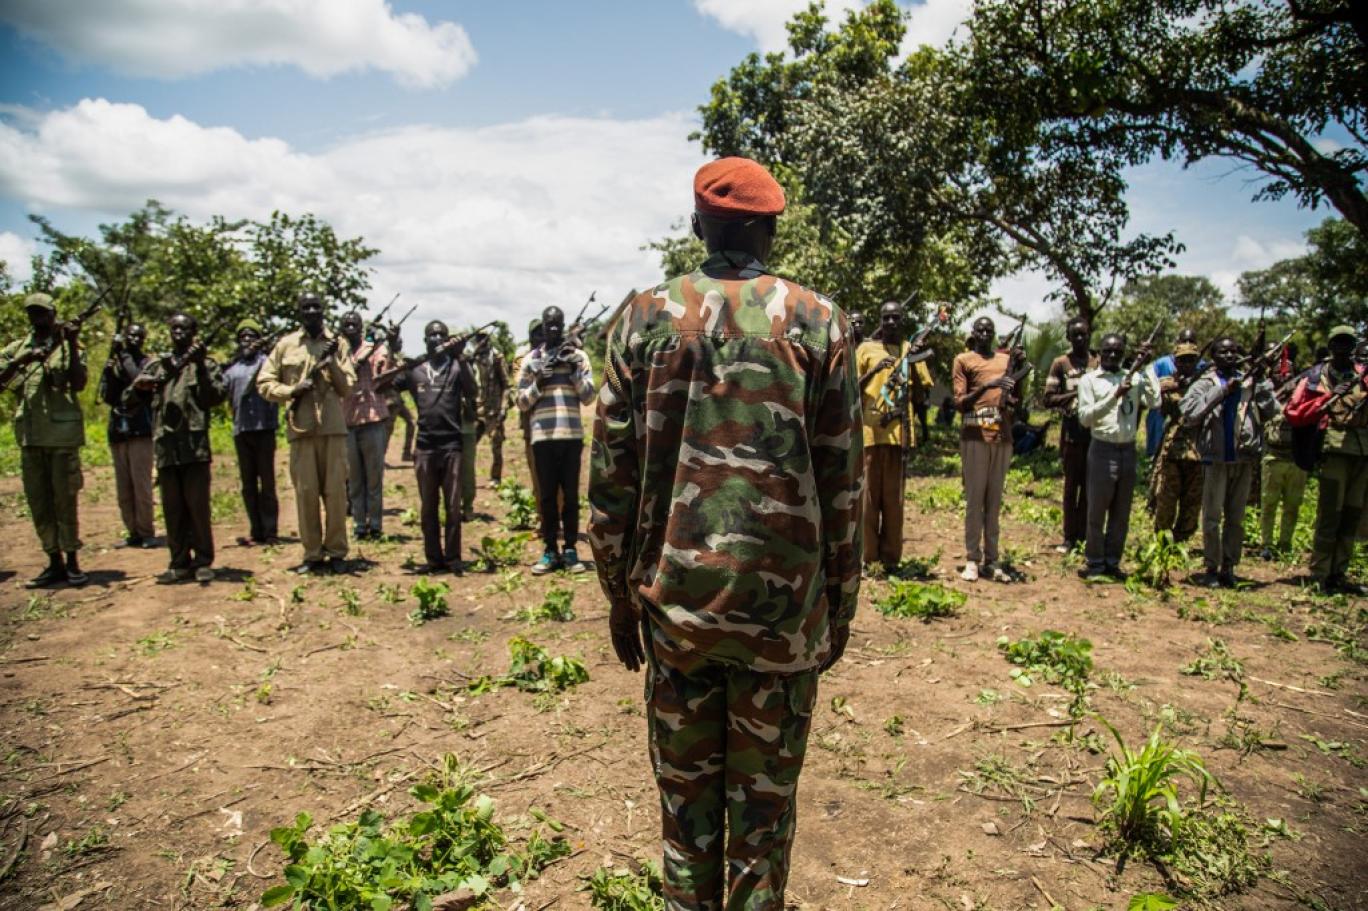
pixel 151 737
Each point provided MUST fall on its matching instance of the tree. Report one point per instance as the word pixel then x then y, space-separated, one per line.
pixel 1171 302
pixel 1325 287
pixel 1260 81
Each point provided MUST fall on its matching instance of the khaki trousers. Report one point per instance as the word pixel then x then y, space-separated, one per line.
pixel 318 469
pixel 133 484
pixel 984 466
pixel 52 480
pixel 883 518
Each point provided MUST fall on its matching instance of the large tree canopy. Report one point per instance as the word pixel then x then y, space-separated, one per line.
pixel 1325 287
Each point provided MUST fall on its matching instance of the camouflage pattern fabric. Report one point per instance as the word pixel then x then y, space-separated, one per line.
pixel 727 746
pixel 494 401
pixel 1176 496
pixel 725 486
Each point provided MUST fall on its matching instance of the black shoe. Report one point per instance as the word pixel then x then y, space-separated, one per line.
pixel 337 565
pixel 55 574
pixel 457 567
pixel 131 541
pixel 1227 578
pixel 73 571
pixel 310 568
pixel 1115 571
pixel 1089 573
pixel 1339 585
pixel 1208 579
pixel 1266 554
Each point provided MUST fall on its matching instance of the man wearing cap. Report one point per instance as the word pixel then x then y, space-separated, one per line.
pixel 1229 410
pixel 183 389
pixel 310 372
pixel 1176 478
pixel 725 521
pixel 130 436
pixel 1156 420
pixel 1331 398
pixel 49 372
pixel 367 414
pixel 255 421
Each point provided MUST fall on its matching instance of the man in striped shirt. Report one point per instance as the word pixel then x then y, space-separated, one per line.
pixel 554 381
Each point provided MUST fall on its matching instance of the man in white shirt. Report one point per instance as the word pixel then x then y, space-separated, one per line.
pixel 1109 402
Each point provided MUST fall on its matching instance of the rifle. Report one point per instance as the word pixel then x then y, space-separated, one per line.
pixel 1018 367
pixel 579 317
pixel 314 372
pixel 895 390
pixel 1136 363
pixel 450 344
pixel 575 334
pixel 395 327
pixel 171 365
pixel 60 332
pixel 378 321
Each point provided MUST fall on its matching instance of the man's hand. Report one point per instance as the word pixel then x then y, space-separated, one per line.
pixel 145 383
pixel 1343 389
pixel 196 353
pixel 1142 354
pixel 885 364
pixel 546 369
pixel 625 630
pixel 840 637
pixel 329 349
pixel 1124 389
pixel 1005 383
pixel 301 388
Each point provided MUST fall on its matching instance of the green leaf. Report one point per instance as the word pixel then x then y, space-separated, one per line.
pixel 1151 901
pixel 276 895
pixel 424 792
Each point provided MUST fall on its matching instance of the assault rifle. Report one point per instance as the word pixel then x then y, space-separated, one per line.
pixel 1018 367
pixel 314 372
pixel 452 344
pixel 896 390
pixel 60 333
pixel 378 321
pixel 1136 362
pixel 170 366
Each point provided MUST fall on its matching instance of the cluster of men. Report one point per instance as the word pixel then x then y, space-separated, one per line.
pixel 749 448
pixel 340 394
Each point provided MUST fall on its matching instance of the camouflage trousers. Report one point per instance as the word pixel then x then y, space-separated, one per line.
pixel 1176 497
pixel 496 441
pixel 727 745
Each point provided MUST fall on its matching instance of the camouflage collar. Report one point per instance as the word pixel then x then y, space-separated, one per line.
pixel 734 260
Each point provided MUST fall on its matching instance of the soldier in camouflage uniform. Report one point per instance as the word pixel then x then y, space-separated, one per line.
pixel 1284 483
pixel 183 389
pixel 49 428
pixel 493 400
pixel 725 523
pixel 1175 494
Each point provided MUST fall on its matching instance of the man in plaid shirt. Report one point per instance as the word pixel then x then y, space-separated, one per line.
pixel 554 381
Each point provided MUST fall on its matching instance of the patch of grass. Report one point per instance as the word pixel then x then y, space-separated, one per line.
pixel 351 602
pixel 1157 558
pixel 533 670
pixel 224 505
pixel 623 889
pixel 1035 512
pixel 495 552
pixel 924 601
pixel 1216 662
pixel 918 567
pixel 522 506
pixel 557 606
pixel 154 644
pixel 95 839
pixel 996 773
pixel 945 496
pixel 432 602
pixel 1056 657
pixel 1141 808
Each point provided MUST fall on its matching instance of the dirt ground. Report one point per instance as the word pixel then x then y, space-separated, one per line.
pixel 152 736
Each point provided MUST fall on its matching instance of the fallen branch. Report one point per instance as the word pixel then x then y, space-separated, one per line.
pixel 1034 724
pixel 1288 686
pixel 180 768
pixel 24 660
pixel 1341 720
pixel 80 764
pixel 1048 897
pixel 251 648
pixel 18 849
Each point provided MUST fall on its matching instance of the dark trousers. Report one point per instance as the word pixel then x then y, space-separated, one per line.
pixel 1111 484
pixel 185 506
pixel 558 471
pixel 1074 455
pixel 256 470
pixel 439 488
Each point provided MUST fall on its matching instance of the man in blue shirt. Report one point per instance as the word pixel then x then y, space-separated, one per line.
pixel 254 436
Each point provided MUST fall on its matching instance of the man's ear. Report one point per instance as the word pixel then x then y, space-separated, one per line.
pixel 772 225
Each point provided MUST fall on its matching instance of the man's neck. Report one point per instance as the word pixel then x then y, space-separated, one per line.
pixel 1079 354
pixel 984 351
pixel 313 333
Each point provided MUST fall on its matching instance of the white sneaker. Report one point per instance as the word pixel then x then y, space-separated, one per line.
pixel 970 573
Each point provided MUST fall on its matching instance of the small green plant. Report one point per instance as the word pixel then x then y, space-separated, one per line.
pixel 1156 560
pixel 557 606
pixel 522 506
pixel 918 567
pixel 1138 794
pixel 389 593
pixel 409 518
pixel 96 839
pixel 495 552
pixel 1151 901
pixel 351 602
pixel 945 496
pixel 297 594
pixel 1216 662
pixel 154 644
pixel 922 600
pixel 533 670
pixel 432 602
pixel 621 889
pixel 1056 657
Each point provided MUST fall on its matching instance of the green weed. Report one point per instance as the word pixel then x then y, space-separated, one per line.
pixel 1156 560
pixel 1138 794
pixel 945 496
pixel 921 600
pixel 1056 657
pixel 494 552
pixel 621 889
pixel 431 601
pixel 533 670
pixel 522 506
pixel 556 606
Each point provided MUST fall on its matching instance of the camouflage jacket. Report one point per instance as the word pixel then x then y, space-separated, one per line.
pixel 493 387
pixel 1179 442
pixel 180 410
pixel 725 484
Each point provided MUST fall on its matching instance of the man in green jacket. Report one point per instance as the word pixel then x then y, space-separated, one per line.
pixel 183 389
pixel 50 429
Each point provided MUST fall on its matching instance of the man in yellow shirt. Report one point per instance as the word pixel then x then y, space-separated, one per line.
pixel 885 405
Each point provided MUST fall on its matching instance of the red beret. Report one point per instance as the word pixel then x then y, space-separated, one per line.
pixel 737 188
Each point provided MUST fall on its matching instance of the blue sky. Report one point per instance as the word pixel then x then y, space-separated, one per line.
pixel 502 156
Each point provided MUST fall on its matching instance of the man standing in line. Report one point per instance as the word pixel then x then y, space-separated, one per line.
pixel 183 389
pixel 1176 476
pixel 441 386
pixel 130 436
pixel 534 340
pixel 493 400
pixel 1331 397
pixel 49 428
pixel 1156 420
pixel 1229 410
pixel 367 415
pixel 982 389
pixel 857 325
pixel 254 436
pixel 394 400
pixel 1061 395
pixel 311 373
pixel 470 435
pixel 884 413
pixel 725 525
pixel 553 382
pixel 1109 403
pixel 1284 482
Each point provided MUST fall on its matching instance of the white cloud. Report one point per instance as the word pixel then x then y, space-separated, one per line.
pixel 472 224
pixel 15 252
pixel 934 22
pixel 186 37
pixel 764 20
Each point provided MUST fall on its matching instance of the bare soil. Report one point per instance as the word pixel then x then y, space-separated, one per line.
pixel 151 737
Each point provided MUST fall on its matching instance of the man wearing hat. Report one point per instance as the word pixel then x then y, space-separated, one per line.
pixel 725 521
pixel 1176 478
pixel 310 372
pixel 255 421
pixel 130 436
pixel 1331 398
pixel 49 371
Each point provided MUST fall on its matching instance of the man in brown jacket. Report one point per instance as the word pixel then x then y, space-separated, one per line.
pixel 311 372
